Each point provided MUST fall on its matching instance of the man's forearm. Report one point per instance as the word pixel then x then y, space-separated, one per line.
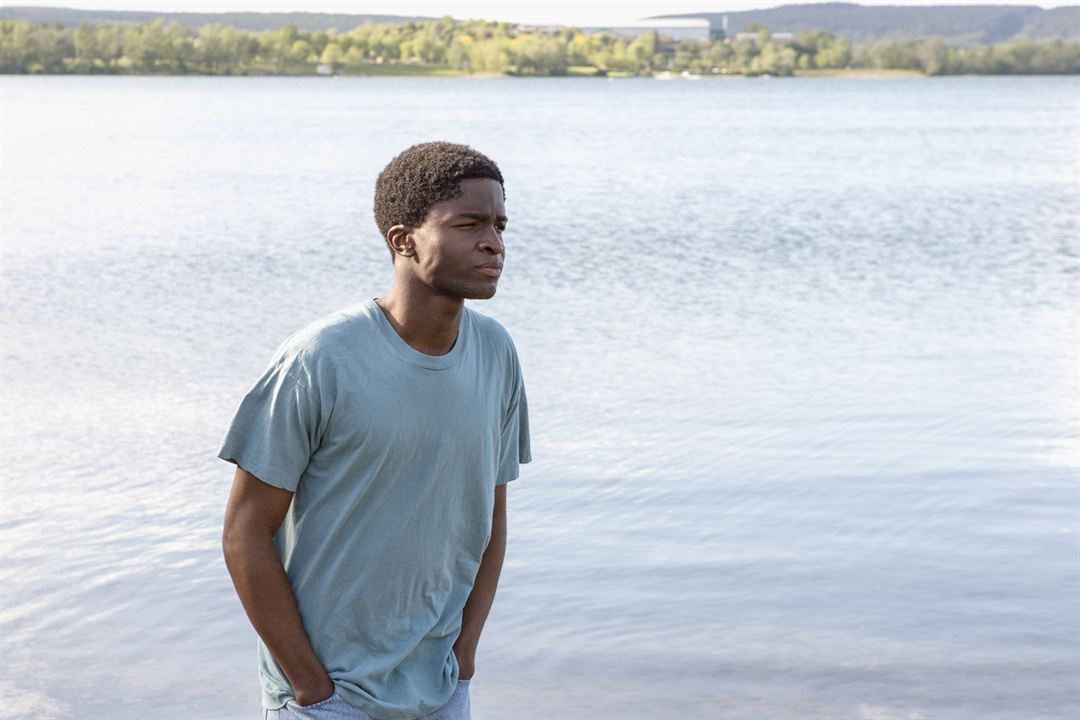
pixel 265 592
pixel 483 593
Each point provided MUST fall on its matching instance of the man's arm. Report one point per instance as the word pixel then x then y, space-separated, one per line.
pixel 254 513
pixel 483 592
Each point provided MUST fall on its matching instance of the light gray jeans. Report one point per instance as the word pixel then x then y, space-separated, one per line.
pixel 335 708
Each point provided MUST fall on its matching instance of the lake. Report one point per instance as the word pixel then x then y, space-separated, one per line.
pixel 802 361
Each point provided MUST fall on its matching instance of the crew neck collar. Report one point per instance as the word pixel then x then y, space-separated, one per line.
pixel 411 354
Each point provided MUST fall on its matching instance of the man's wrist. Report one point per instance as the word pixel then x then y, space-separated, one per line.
pixel 466 643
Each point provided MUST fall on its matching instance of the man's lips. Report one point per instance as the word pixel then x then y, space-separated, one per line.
pixel 492 269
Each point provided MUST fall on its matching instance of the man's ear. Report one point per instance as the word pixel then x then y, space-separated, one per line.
pixel 400 240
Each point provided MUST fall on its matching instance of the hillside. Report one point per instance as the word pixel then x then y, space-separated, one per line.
pixel 956 24
pixel 1061 23
pixel 251 21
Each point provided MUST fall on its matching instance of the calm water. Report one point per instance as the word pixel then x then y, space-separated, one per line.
pixel 802 358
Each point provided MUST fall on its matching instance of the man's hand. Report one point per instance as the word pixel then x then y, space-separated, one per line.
pixel 305 696
pixel 466 660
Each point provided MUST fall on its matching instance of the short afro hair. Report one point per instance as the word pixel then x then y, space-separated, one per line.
pixel 424 175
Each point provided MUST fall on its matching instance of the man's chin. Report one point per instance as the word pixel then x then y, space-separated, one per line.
pixel 481 293
pixel 469 291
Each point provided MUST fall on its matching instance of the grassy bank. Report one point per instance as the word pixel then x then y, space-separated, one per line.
pixel 869 74
pixel 400 69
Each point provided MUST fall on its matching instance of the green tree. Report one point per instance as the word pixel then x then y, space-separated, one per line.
pixel 275 48
pixel 355 58
pixel 774 60
pixel 179 52
pixel 493 55
pixel 642 50
pixel 745 51
pixel 720 55
pixel 14 46
pixel 579 49
pixel 301 53
pixel 890 54
pixel 457 55
pixel 332 56
pixel 86 49
pixel 933 56
pixel 833 53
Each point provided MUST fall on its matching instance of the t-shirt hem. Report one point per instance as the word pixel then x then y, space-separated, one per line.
pixel 513 474
pixel 270 702
pixel 262 472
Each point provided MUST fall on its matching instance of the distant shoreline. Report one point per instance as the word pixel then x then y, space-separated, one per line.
pixel 448 48
pixel 448 73
pixel 868 74
pixel 853 74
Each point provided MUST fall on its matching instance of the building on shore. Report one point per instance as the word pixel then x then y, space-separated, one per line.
pixel 703 29
pixel 670 30
pixel 697 29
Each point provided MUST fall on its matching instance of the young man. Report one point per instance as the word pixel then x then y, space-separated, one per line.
pixel 366 526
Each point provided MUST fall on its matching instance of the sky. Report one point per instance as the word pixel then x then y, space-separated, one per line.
pixel 557 12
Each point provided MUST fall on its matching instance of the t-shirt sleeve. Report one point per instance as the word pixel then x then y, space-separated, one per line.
pixel 277 426
pixel 515 449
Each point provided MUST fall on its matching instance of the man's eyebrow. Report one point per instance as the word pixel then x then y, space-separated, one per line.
pixel 480 216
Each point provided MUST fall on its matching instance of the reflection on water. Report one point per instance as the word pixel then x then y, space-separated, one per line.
pixel 802 358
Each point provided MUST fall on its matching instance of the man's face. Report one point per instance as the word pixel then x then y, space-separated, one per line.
pixel 459 248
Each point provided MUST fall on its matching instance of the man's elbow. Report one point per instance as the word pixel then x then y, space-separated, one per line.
pixel 237 540
pixel 230 542
pixel 497 540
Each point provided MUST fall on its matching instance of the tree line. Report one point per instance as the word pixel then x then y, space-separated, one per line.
pixel 477 46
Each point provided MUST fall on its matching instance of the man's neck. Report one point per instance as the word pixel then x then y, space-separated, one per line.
pixel 428 323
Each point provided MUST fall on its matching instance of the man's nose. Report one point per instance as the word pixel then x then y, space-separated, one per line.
pixel 492 243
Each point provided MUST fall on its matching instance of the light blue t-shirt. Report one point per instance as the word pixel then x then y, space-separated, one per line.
pixel 393 456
